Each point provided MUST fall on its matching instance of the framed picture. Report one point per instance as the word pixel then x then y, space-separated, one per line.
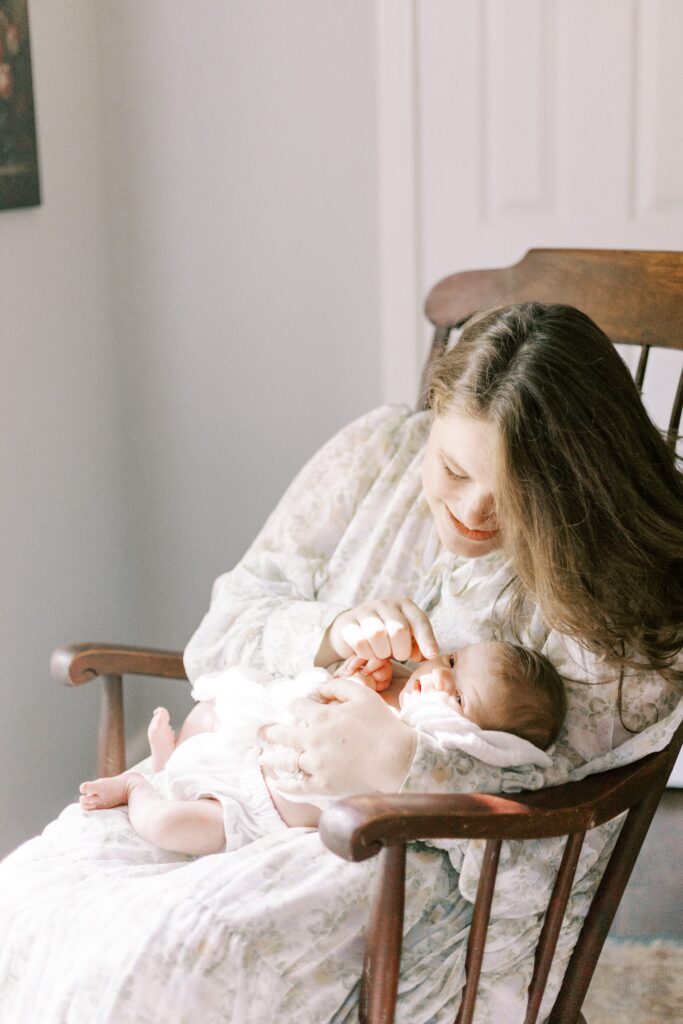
pixel 19 184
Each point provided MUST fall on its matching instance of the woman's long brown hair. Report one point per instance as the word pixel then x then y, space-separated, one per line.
pixel 589 497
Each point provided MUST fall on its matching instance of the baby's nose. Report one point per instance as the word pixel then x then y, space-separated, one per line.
pixel 441 678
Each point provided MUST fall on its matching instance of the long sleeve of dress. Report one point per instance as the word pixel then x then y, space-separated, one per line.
pixel 267 612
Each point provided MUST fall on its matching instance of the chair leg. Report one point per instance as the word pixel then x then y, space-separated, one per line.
pixel 587 951
pixel 111 752
pixel 379 983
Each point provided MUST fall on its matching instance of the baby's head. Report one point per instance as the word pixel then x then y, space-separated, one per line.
pixel 500 686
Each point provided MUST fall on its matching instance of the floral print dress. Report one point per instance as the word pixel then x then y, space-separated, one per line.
pixel 98 926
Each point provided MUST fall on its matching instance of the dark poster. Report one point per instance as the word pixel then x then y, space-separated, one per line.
pixel 18 149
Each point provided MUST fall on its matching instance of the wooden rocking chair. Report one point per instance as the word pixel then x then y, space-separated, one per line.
pixel 637 298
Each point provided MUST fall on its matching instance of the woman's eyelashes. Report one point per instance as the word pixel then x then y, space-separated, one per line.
pixel 451 472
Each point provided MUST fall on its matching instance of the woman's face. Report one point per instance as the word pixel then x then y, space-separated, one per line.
pixel 458 479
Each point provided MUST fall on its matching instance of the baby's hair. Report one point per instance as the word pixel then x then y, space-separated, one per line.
pixel 534 694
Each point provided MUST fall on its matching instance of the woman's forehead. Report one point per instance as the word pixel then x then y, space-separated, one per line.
pixel 470 442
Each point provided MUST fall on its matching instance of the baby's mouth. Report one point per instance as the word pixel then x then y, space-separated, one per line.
pixel 479 535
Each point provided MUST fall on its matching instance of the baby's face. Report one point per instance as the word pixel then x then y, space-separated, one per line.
pixel 470 677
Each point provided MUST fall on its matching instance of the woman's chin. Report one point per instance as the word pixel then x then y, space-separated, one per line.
pixel 469 548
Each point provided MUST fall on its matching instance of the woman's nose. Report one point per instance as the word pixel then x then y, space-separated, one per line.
pixel 479 511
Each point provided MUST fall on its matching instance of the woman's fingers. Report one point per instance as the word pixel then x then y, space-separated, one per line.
pixel 388 628
pixel 293 736
pixel 296 785
pixel 343 690
pixel 421 629
pixel 367 636
pixel 281 759
pixel 396 630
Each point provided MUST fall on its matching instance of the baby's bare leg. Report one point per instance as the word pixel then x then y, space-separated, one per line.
pixel 192 826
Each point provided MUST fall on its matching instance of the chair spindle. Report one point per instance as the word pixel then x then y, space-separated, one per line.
pixel 478 929
pixel 580 969
pixel 379 982
pixel 675 421
pixel 553 922
pixel 111 744
pixel 642 366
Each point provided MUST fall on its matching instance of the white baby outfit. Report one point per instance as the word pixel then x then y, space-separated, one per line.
pixel 224 764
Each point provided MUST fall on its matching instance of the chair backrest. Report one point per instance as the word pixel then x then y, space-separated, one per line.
pixel 635 296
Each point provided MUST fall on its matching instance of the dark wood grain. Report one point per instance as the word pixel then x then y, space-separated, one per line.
pixel 382 961
pixel 552 924
pixel 604 905
pixel 478 929
pixel 75 664
pixel 635 296
pixel 111 740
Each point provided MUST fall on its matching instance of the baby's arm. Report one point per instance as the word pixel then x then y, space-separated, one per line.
pixel 183 826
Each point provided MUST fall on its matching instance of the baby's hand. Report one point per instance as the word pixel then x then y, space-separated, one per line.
pixel 375 673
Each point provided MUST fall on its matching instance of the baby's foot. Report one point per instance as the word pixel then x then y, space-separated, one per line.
pixel 102 793
pixel 161 738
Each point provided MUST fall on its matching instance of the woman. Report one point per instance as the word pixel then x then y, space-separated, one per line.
pixel 535 502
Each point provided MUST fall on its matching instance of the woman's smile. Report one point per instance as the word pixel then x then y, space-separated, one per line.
pixel 480 535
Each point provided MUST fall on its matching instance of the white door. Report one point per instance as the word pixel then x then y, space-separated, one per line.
pixel 512 124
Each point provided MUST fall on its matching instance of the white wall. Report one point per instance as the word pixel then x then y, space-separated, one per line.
pixel 63 555
pixel 193 311
pixel 242 190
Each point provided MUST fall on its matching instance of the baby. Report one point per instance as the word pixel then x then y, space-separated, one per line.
pixel 499 702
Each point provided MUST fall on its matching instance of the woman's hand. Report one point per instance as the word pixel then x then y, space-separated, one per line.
pixel 349 742
pixel 389 628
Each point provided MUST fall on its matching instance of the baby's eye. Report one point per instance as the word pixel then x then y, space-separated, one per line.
pixel 458 699
pixel 451 660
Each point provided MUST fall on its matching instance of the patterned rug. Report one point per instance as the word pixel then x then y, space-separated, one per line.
pixel 637 981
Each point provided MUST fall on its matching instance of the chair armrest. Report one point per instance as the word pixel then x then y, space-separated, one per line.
pixel 358 827
pixel 74 664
